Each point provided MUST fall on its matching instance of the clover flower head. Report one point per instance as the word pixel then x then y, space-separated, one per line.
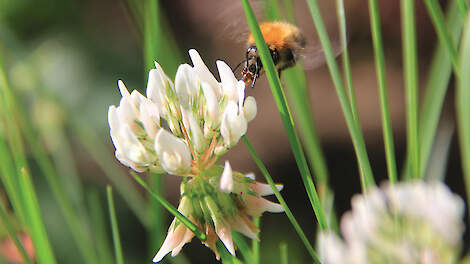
pixel 412 222
pixel 182 129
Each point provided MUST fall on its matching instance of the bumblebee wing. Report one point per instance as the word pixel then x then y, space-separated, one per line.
pixel 313 56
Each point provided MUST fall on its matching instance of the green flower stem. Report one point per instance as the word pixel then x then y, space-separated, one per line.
pixel 114 227
pixel 284 253
pixel 255 244
pixel 285 114
pixel 411 84
pixel 436 87
pixel 437 17
pixel 462 98
pixel 281 200
pixel 243 247
pixel 382 85
pixel 188 223
pixel 6 223
pixel 367 178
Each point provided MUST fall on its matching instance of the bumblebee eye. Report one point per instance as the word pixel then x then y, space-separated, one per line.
pixel 252 68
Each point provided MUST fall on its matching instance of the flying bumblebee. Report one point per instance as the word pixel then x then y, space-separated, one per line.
pixel 285 42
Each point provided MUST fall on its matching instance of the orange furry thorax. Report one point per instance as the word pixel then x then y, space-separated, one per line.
pixel 277 35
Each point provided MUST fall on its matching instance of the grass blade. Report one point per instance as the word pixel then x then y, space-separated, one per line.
pixel 6 223
pixel 382 86
pixel 36 227
pixel 281 200
pixel 436 87
pixel 411 84
pixel 99 227
pixel 367 178
pixel 437 17
pixel 188 223
pixel 285 115
pixel 462 98
pixel 114 227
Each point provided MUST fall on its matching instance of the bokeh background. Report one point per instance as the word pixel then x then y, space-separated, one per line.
pixel 75 51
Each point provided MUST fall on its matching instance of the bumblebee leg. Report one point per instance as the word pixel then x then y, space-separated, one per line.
pixel 279 74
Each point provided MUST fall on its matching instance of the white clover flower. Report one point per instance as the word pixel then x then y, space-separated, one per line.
pixel 412 222
pixel 208 116
pixel 182 129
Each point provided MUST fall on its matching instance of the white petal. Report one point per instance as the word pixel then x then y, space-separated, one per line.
pixel 233 125
pixel 156 87
pixel 225 234
pixel 264 189
pixel 203 72
pixel 212 105
pixel 250 175
pixel 186 84
pixel 113 119
pixel 226 180
pixel 249 108
pixel 173 152
pixel 150 117
pixel 228 80
pixel 241 93
pixel 123 89
pixel 197 138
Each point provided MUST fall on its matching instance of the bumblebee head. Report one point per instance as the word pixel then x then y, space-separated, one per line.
pixel 253 65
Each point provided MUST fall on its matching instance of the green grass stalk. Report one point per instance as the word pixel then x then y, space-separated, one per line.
pixel 114 227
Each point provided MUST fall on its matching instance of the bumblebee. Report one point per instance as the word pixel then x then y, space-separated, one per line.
pixel 285 42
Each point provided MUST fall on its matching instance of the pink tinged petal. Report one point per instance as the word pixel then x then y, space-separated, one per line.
pixel 249 108
pixel 186 84
pixel 238 224
pixel 226 180
pixel 188 236
pixel 228 80
pixel 255 206
pixel 123 89
pixel 172 240
pixel 203 72
pixel 173 152
pixel 264 189
pixel 224 232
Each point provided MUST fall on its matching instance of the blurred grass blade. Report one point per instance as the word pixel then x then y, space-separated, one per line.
pixel 114 227
pixel 99 227
pixel 188 223
pixel 411 84
pixel 285 115
pixel 6 223
pixel 367 178
pixel 445 39
pixel 284 253
pixel 289 7
pixel 345 59
pixel 255 244
pixel 437 84
pixel 299 96
pixel 281 200
pixel 463 7
pixel 462 98
pixel 441 150
pixel 36 228
pixel 382 86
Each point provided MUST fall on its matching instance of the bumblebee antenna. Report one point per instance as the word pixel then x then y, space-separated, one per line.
pixel 238 65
